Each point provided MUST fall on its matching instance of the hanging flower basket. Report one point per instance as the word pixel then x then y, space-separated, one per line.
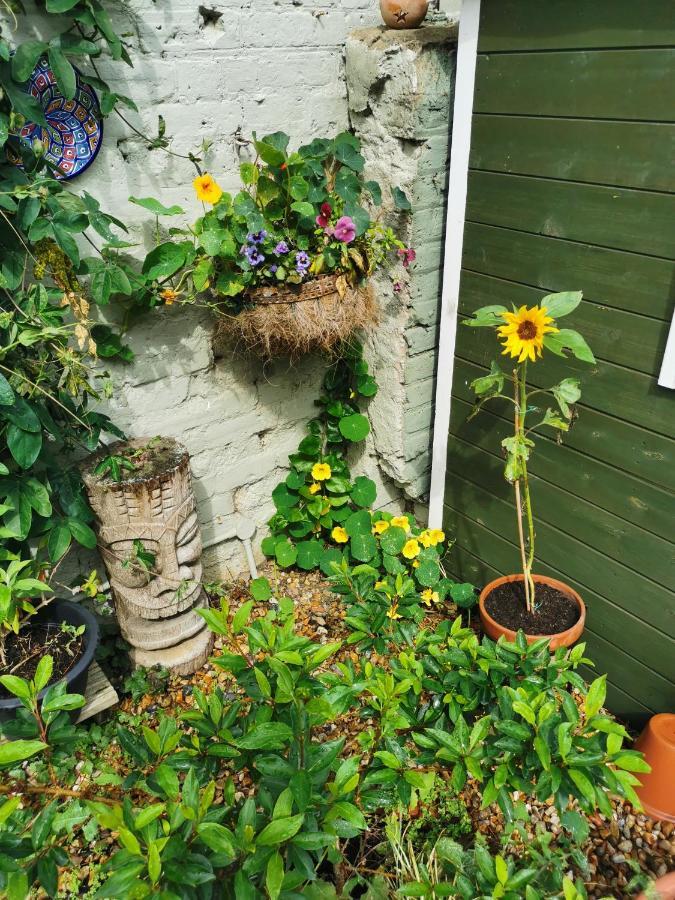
pixel 291 320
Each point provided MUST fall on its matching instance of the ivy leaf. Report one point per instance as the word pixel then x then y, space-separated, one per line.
pixel 155 207
pixel 63 71
pixel 375 192
pixel 567 339
pixel 400 199
pixel 25 59
pixel 164 261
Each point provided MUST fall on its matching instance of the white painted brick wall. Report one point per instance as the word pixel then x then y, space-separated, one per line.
pixel 266 65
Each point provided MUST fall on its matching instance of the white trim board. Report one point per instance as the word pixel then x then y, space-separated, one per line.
pixel 667 373
pixel 467 47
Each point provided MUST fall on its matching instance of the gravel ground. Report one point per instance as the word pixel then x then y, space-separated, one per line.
pixel 615 848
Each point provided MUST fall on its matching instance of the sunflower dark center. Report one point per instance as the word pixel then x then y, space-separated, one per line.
pixel 527 330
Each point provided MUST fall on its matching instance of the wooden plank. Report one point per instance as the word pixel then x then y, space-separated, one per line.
pixel 644 552
pixel 620 629
pixel 608 388
pixel 561 24
pixel 596 84
pixel 646 454
pixel 624 219
pixel 637 342
pixel 584 564
pixel 634 500
pixel 99 694
pixel 627 154
pixel 614 278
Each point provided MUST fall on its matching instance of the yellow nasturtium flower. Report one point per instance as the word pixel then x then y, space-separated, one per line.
pixel 437 536
pixel 411 549
pixel 314 488
pixel 524 332
pixel 321 472
pixel 416 564
pixel 380 527
pixel 429 597
pixel 401 522
pixel 207 188
pixel 425 539
pixel 339 535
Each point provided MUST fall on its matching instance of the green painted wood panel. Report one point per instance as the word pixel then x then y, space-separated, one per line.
pixel 645 454
pixel 630 281
pixel 627 154
pixel 636 342
pixel 621 218
pixel 637 501
pixel 597 84
pixel 572 187
pixel 563 24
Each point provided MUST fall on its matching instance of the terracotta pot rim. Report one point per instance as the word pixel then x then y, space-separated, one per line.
pixel 571 634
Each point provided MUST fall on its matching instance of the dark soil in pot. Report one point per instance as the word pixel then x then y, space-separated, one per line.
pixel 72 655
pixel 25 650
pixel 555 611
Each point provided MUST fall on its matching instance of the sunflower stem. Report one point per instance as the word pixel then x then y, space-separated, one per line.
pixel 516 485
pixel 527 572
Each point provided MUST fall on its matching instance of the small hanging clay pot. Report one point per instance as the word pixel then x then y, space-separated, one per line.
pixel 404 13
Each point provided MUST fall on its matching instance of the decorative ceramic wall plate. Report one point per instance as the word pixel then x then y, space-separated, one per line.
pixel 75 130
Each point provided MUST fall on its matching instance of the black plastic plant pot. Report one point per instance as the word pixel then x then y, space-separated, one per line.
pixel 73 614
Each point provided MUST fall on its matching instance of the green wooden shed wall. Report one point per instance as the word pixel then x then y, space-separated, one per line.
pixel 571 187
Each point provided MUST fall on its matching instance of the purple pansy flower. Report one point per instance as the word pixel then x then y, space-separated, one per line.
pixel 345 230
pixel 254 256
pixel 257 238
pixel 281 248
pixel 273 268
pixel 302 262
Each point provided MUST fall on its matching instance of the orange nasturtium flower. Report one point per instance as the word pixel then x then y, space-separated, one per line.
pixel 321 472
pixel 411 549
pixel 339 535
pixel 169 296
pixel 207 188
pixel 401 522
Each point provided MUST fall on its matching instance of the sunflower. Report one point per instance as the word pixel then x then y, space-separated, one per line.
pixel 524 332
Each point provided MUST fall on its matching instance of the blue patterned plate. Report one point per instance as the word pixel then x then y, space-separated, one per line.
pixel 75 130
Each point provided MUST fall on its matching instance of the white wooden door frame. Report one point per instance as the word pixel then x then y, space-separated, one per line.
pixel 467 48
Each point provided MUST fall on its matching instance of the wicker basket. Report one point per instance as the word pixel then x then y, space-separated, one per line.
pixel 291 320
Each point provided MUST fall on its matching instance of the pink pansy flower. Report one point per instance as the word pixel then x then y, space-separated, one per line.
pixel 408 256
pixel 323 218
pixel 344 230
pixel 398 287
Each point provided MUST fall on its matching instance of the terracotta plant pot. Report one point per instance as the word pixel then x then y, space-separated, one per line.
pixel 563 639
pixel 664 887
pixel 404 13
pixel 657 793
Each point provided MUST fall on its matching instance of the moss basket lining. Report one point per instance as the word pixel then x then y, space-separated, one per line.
pixel 292 320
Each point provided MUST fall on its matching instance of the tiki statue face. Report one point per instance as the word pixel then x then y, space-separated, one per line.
pixel 151 543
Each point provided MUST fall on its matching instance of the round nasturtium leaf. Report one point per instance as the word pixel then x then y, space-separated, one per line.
pixel 286 553
pixel 464 595
pixel 393 564
pixel 268 544
pixel 328 557
pixel 363 547
pixel 358 523
pixel 355 427
pixel 364 492
pixel 295 480
pixel 283 498
pixel 393 540
pixel 338 485
pixel 428 573
pixel 309 554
